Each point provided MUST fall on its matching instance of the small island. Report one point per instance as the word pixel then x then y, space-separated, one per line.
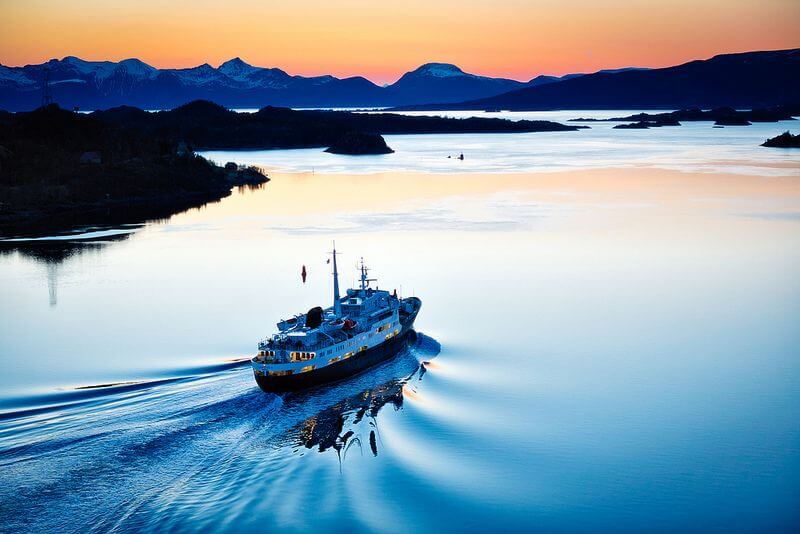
pixel 724 116
pixel 60 168
pixel 784 140
pixel 640 125
pixel 359 144
pixel 732 121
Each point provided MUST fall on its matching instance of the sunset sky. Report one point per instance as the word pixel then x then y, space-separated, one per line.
pixel 382 39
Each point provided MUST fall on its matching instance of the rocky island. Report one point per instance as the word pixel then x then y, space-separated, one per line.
pixel 645 124
pixel 784 140
pixel 357 144
pixel 724 116
pixel 732 121
pixel 59 168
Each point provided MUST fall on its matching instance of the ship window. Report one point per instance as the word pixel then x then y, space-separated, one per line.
pixel 307 368
pixel 280 373
pixel 347 355
pixel 363 348
pixel 334 359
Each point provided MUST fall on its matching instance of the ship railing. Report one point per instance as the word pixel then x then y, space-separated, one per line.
pixel 294 346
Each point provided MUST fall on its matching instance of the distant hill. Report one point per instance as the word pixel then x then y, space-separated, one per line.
pixel 746 80
pixel 104 84
pixel 442 82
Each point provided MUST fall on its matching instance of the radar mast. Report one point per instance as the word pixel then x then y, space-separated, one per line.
pixel 337 305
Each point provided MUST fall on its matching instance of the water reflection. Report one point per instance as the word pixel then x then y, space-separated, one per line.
pixel 340 426
pixel 52 254
pixel 352 420
pixel 58 236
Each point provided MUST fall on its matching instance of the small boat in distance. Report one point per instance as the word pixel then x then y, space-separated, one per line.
pixel 361 329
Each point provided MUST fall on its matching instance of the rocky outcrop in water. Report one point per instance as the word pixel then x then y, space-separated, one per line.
pixel 784 140
pixel 356 144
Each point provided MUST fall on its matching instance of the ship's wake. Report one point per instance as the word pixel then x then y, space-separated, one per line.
pixel 171 452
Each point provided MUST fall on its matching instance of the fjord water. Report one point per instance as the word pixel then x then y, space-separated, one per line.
pixel 610 346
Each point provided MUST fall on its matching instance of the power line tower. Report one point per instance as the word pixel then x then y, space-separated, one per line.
pixel 47 95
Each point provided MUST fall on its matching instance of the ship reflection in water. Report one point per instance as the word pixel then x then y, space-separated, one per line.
pixel 342 426
pixel 351 421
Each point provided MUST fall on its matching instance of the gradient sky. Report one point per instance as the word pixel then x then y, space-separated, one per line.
pixel 381 39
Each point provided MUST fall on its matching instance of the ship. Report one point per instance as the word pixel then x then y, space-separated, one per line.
pixel 362 328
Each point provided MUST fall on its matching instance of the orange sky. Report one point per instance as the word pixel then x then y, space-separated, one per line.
pixel 381 39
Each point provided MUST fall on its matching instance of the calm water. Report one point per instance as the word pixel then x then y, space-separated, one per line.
pixel 615 346
pixel 694 146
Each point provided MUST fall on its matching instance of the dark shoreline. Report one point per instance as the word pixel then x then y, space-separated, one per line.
pixel 60 169
pixel 32 222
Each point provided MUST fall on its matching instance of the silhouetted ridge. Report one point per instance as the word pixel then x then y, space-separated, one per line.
pixel 201 109
pixel 746 80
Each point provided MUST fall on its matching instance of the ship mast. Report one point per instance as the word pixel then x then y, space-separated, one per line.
pixel 337 306
pixel 364 280
pixel 363 275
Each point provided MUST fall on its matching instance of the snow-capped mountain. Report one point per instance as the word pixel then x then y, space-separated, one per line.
pixel 443 82
pixel 237 69
pixel 235 83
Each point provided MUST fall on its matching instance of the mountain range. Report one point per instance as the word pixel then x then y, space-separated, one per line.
pixel 235 83
pixel 742 80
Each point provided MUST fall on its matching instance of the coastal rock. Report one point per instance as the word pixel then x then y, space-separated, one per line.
pixel 357 143
pixel 784 140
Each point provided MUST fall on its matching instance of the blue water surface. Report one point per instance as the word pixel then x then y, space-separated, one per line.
pixel 612 346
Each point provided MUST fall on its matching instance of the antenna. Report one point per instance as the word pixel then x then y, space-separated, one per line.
pixel 337 306
pixel 364 280
pixel 47 96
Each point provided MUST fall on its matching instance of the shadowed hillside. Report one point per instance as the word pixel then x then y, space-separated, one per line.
pixel 747 80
